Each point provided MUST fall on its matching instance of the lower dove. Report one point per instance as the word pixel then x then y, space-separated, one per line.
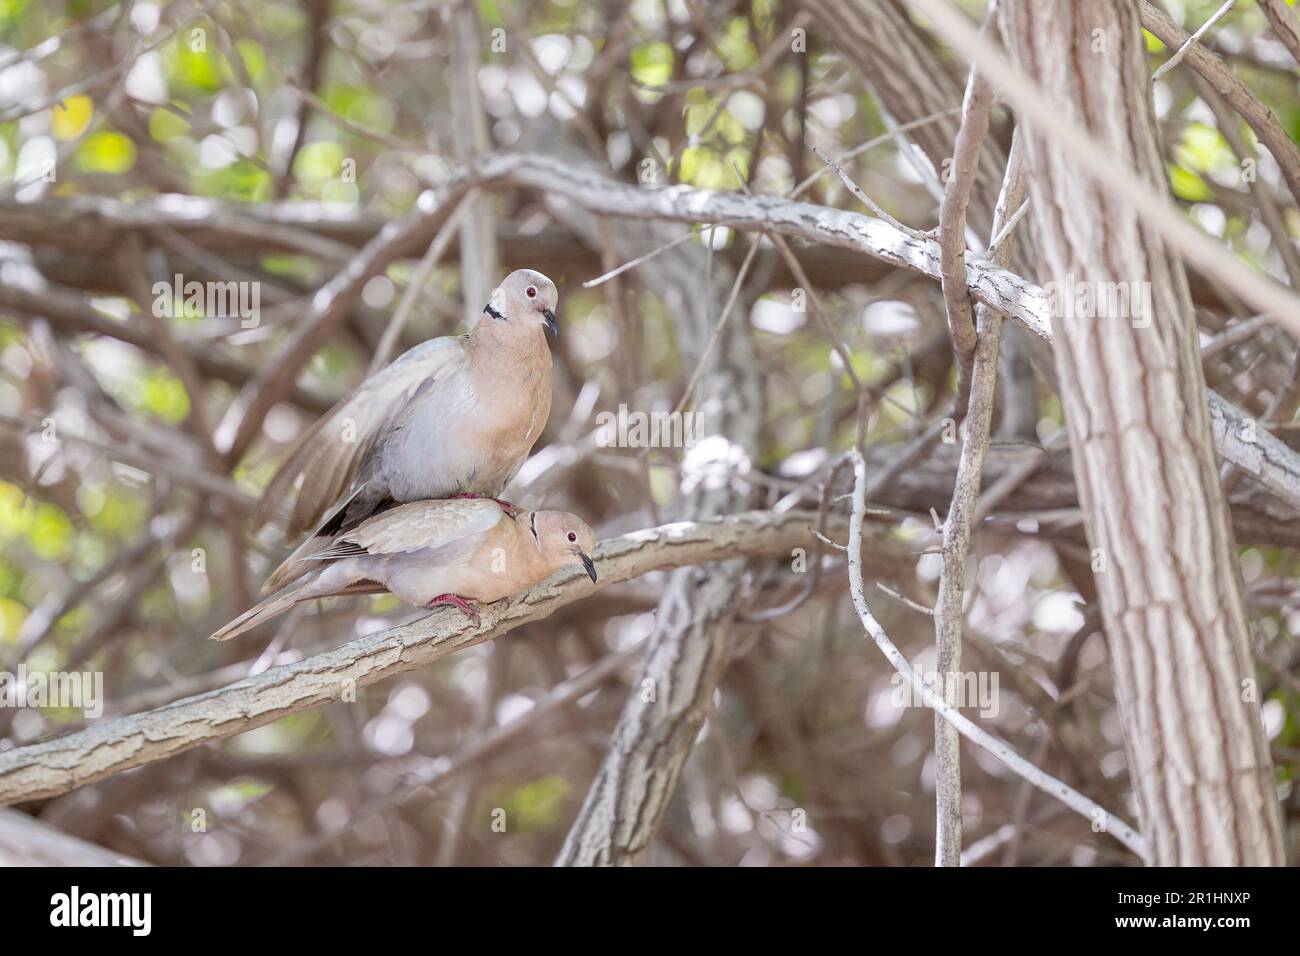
pixel 454 416
pixel 454 552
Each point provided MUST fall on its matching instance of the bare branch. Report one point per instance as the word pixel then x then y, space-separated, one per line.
pixel 25 841
pixel 1182 51
pixel 1259 116
pixel 1043 781
pixel 56 766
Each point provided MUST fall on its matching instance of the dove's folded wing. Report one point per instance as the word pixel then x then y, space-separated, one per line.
pixel 329 454
pixel 418 526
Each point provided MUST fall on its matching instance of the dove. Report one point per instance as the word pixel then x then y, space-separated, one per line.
pixel 452 416
pixel 456 552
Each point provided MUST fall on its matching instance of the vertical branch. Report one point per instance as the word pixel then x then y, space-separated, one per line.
pixel 952 212
pixel 479 259
pixel 957 529
pixel 911 82
pixel 317 13
pixel 947 622
pixel 689 648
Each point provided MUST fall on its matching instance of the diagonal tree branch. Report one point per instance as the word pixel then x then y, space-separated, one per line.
pixel 1217 74
pixel 1261 455
pixel 56 766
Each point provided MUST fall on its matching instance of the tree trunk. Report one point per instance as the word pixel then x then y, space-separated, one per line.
pixel 691 644
pixel 1134 399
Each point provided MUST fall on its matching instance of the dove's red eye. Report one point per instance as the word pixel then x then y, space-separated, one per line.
pixel 531 292
pixel 573 536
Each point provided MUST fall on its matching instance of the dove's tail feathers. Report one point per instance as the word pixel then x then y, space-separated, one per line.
pixel 301 590
pixel 281 483
pixel 293 566
pixel 299 562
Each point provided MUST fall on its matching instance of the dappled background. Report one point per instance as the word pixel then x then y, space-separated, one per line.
pixel 268 143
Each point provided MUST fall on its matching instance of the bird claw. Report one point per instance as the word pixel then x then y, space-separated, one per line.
pixel 453 600
pixel 507 507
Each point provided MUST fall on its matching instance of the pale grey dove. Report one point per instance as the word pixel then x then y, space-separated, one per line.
pixel 429 553
pixel 452 416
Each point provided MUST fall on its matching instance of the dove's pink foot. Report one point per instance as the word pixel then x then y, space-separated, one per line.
pixel 507 507
pixel 468 607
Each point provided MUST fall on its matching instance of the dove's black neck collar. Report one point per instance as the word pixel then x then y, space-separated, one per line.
pixel 532 526
pixel 493 312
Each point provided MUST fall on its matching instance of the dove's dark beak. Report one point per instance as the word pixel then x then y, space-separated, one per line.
pixel 591 568
pixel 555 330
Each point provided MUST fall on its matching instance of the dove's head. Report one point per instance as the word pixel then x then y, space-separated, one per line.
pixel 525 298
pixel 564 539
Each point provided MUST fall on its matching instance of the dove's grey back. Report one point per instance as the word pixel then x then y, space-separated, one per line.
pixel 428 449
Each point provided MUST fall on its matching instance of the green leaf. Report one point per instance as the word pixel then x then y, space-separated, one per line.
pixel 652 63
pixel 107 151
pixel 190 61
pixel 241 181
pixel 16 513
pixel 12 615
pixel 1203 148
pixel 538 804
pixel 70 118
pixel 1187 185
pixel 164 125
pixel 163 394
pixel 51 533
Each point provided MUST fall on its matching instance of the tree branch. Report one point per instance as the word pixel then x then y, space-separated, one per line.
pixel 1217 74
pixel 26 841
pixel 1000 749
pixel 982 363
pixel 1266 458
pixel 56 766
pixel 1275 465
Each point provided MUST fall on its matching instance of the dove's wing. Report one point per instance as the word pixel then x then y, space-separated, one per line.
pixel 329 453
pixel 418 526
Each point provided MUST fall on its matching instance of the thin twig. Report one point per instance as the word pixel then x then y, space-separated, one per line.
pixel 957 529
pixel 1195 38
pixel 866 200
pixel 727 309
pixel 446 232
pixel 642 259
pixel 856 151
pixel 1090 810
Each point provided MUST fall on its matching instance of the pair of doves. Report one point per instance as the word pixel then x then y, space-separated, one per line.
pixel 400 480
